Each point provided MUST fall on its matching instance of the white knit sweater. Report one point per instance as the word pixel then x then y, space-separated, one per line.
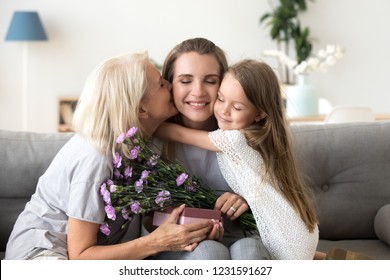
pixel 282 231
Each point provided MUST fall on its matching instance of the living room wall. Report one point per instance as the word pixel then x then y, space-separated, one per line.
pixel 82 33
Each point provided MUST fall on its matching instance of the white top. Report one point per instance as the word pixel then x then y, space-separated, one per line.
pixel 69 188
pixel 282 231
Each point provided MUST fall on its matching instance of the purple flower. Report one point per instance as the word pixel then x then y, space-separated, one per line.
pixel 128 172
pixel 110 212
pixel 134 152
pixel 144 174
pixel 161 197
pixel 190 188
pixel 139 185
pixel 131 132
pixel 135 207
pixel 117 174
pixel 103 189
pixel 120 138
pixel 125 214
pixel 181 179
pixel 110 182
pixel 113 188
pixel 153 160
pixel 117 160
pixel 105 229
pixel 107 197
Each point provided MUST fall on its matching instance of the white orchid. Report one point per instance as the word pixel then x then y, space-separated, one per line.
pixel 321 62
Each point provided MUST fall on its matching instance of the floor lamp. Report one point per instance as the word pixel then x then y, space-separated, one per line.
pixel 24 27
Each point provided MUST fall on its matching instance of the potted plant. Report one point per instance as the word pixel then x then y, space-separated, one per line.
pixel 285 28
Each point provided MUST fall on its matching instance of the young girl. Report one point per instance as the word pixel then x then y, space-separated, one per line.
pixel 255 157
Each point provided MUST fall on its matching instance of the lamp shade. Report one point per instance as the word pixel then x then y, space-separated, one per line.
pixel 26 26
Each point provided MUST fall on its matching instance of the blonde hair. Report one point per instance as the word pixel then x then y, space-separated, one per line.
pixel 270 137
pixel 109 103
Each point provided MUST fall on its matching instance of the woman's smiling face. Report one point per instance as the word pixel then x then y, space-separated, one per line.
pixel 195 86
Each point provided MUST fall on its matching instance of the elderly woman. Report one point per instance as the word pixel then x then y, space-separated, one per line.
pixel 63 217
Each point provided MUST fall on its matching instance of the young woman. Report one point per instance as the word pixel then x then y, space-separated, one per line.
pixel 195 68
pixel 62 219
pixel 255 157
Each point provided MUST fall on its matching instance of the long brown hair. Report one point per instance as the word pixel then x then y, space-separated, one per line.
pixel 270 137
pixel 201 46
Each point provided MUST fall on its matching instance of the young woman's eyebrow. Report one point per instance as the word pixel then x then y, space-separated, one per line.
pixel 185 76
pixel 212 75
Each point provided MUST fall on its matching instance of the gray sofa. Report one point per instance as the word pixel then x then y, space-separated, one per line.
pixel 347 166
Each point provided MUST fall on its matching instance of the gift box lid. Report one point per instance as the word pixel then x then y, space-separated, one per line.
pixel 197 213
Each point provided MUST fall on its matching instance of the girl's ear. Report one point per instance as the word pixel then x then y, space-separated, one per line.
pixel 260 116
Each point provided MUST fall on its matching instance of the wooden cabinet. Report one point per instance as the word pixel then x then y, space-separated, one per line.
pixel 67 105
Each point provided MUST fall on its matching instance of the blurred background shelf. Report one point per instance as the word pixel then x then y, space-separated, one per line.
pixel 67 105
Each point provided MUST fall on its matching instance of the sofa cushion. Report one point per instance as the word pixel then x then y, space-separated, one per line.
pixel 24 156
pixel 12 208
pixel 347 167
pixel 382 224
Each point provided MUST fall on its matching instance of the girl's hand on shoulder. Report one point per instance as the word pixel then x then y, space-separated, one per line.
pixel 231 205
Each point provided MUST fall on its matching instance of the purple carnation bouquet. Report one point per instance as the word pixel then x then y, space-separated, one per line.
pixel 144 182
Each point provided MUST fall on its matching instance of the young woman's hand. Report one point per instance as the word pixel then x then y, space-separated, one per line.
pixel 170 236
pixel 231 205
pixel 217 231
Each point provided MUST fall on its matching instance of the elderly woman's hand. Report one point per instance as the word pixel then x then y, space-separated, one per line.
pixel 232 205
pixel 170 236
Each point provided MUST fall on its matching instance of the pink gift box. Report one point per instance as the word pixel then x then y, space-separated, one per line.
pixel 188 216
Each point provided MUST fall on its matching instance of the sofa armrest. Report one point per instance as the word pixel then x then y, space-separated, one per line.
pixel 382 223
